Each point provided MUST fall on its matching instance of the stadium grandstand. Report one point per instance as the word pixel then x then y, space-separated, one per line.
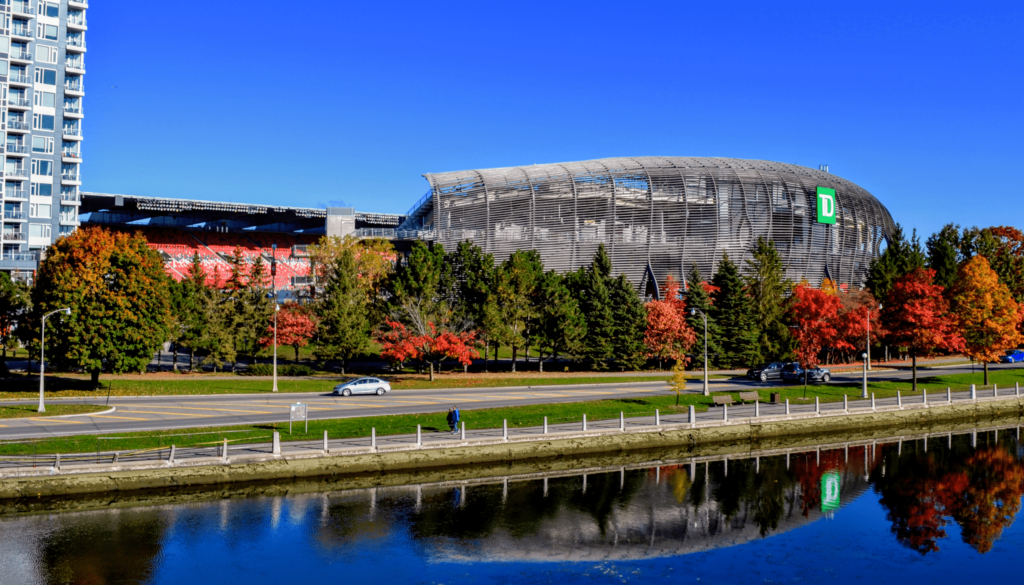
pixel 181 228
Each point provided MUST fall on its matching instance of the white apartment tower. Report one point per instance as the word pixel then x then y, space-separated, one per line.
pixel 42 63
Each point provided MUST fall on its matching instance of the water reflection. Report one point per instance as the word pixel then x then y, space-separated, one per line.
pixel 608 514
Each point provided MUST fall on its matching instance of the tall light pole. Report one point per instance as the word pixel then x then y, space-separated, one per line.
pixel 864 391
pixel 42 353
pixel 694 311
pixel 277 308
pixel 867 348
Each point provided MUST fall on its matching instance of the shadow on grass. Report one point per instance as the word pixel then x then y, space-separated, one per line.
pixel 30 384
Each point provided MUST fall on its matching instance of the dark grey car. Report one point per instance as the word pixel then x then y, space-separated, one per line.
pixel 765 372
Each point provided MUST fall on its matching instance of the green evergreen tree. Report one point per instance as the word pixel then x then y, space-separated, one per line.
pixel 236 270
pixel 944 254
pixel 343 330
pixel 900 257
pixel 591 292
pixel 466 281
pixel 603 264
pixel 769 288
pixel 15 303
pixel 510 307
pixel 560 325
pixel 629 318
pixel 734 316
pixel 191 309
pixel 697 297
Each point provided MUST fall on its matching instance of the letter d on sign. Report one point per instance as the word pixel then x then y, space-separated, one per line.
pixel 826 205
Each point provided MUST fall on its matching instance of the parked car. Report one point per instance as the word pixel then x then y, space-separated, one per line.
pixel 794 373
pixel 1012 356
pixel 363 386
pixel 765 372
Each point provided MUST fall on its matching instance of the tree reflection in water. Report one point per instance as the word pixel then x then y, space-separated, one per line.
pixel 978 488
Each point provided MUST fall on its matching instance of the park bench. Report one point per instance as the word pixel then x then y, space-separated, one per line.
pixel 751 396
pixel 722 399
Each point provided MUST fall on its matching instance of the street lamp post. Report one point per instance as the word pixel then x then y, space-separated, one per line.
pixel 42 353
pixel 277 308
pixel 694 311
pixel 867 348
pixel 864 391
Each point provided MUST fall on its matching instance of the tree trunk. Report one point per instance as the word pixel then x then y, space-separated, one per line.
pixel 540 361
pixel 913 355
pixel 191 359
pixel 95 377
pixel 296 346
pixel 175 357
pixel 465 368
pixel 431 371
pixel 487 351
pixel 986 372
pixel 514 353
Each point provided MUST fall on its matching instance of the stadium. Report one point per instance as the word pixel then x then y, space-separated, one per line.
pixel 657 216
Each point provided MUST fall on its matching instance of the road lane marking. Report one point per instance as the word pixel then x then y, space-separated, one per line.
pixel 46 420
pixel 169 413
pixel 123 417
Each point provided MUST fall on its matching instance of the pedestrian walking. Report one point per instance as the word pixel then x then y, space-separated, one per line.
pixel 451 420
pixel 455 420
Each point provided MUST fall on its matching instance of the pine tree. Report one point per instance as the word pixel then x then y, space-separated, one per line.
pixel 236 270
pixel 466 281
pixel 900 257
pixel 191 308
pixel 560 324
pixel 511 307
pixel 944 254
pixel 629 320
pixel 343 330
pixel 697 297
pixel 768 288
pixel 593 297
pixel 733 314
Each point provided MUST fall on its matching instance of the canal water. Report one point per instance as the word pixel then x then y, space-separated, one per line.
pixel 899 511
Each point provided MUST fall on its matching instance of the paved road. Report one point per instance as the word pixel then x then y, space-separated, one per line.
pixel 176 412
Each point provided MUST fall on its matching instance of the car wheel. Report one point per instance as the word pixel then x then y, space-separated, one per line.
pixel 764 377
pixel 380 392
pixel 346 392
pixel 826 377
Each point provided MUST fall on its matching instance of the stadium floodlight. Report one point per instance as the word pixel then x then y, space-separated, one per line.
pixel 42 354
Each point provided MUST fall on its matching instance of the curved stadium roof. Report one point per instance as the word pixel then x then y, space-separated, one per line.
pixel 665 213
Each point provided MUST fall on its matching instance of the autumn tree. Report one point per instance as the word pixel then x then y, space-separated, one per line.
pixel 668 335
pixel 343 325
pixel 1008 260
pixel 295 327
pixel 813 313
pixel 987 316
pixel 859 311
pixel 119 297
pixel 399 343
pixel 916 316
pixel 374 259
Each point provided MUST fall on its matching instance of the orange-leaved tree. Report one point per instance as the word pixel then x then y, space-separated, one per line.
pixel 852 323
pixel 398 343
pixel 813 313
pixel 916 315
pixel 986 314
pixel 296 326
pixel 119 296
pixel 668 335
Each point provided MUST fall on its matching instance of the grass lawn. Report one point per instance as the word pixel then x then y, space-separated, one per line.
pixel 186 384
pixel 26 410
pixel 517 416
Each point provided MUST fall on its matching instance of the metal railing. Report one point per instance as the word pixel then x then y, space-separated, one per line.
pixel 421 201
pixel 17 148
pixel 79 3
pixel 22 8
pixel 69 218
pixel 14 215
pixel 71 154
pixel 15 236
pixel 374 233
pixel 76 20
pixel 71 197
pixel 15 78
pixel 69 177
pixel 70 131
pixel 16 194
pixel 20 173
pixel 74 64
pixel 18 257
pixel 22 31
pixel 73 86
pixel 69 109
pixel 21 54
pixel 16 101
pixel 80 43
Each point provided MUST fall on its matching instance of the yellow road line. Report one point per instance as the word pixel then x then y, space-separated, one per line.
pixel 168 413
pixel 219 409
pixel 122 417
pixel 46 420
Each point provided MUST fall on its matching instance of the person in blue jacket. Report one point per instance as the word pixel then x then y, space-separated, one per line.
pixel 455 420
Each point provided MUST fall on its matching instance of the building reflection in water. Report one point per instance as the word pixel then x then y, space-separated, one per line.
pixel 603 514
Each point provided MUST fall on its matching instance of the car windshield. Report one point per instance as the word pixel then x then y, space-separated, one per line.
pixel 791 368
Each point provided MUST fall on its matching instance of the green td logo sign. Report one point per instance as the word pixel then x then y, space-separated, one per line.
pixel 826 205
pixel 829 490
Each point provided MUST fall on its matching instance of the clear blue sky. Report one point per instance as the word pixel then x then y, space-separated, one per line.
pixel 266 102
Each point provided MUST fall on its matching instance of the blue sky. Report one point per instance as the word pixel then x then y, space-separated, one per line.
pixel 265 102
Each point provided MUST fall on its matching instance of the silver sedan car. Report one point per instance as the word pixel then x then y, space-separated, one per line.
pixel 363 386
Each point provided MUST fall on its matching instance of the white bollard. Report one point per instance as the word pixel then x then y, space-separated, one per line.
pixel 757 408
pixel 622 422
pixel 657 418
pixel 872 401
pixel 504 429
pixel 545 425
pixel 463 435
pixel 419 436
pixel 693 416
pixel 924 397
pixel 326 448
pixel 170 458
pixel 117 455
pixel 899 400
pixel 276 445
pixel 787 407
pixel 373 437
pixel 584 422
pixel 817 407
pixel 725 412
pixel 974 393
pixel 846 404
pixel 949 396
pixel 1016 385
pixel 224 450
pixel 56 462
pixel 995 391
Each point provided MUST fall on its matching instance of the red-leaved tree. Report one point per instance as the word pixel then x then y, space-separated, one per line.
pixel 916 315
pixel 814 312
pixel 859 308
pixel 668 336
pixel 295 327
pixel 399 344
